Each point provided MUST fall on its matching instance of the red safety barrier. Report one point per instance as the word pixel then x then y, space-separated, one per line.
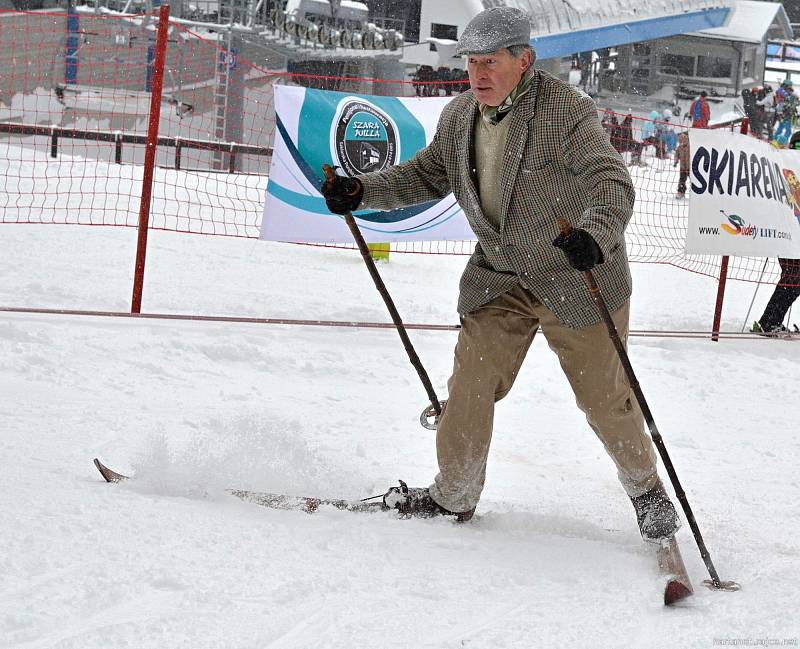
pixel 76 97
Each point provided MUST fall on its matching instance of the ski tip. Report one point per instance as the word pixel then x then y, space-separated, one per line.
pixel 675 591
pixel 108 474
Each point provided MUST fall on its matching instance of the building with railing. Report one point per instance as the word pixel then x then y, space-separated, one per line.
pixel 610 47
pixel 722 60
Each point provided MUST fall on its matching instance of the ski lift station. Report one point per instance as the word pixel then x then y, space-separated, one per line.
pixel 609 47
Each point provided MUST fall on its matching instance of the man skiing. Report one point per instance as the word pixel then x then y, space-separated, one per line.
pixel 518 151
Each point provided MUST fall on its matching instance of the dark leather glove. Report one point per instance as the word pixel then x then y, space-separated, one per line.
pixel 342 194
pixel 581 249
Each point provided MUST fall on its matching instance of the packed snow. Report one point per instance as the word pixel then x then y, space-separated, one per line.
pixel 553 557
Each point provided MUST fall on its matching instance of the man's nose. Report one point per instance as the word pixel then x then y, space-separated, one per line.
pixel 479 71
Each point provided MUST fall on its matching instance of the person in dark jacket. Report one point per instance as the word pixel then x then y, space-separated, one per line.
pixel 749 104
pixel 784 295
pixel 622 140
pixel 759 115
pixel 609 122
pixel 788 287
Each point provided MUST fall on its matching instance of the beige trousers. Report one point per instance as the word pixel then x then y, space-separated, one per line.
pixel 491 346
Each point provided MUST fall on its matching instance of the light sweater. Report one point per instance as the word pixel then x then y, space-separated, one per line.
pixel 490 144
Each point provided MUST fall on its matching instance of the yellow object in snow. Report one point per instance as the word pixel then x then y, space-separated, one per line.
pixel 379 251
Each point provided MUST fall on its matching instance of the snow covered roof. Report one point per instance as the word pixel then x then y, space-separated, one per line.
pixel 749 21
pixel 345 9
pixel 556 16
pixel 564 43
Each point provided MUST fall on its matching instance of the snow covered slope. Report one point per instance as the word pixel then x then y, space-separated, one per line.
pixel 552 559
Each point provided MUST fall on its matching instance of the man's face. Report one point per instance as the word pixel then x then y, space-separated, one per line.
pixel 493 76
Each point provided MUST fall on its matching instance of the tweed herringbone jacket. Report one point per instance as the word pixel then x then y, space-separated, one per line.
pixel 558 162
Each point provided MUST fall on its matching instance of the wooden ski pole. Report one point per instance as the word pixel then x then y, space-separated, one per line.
pixel 715 582
pixel 330 175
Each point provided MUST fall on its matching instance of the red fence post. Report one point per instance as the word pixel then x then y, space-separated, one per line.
pixel 150 156
pixel 723 272
pixel 723 277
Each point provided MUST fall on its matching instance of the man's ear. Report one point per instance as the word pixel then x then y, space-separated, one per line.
pixel 529 57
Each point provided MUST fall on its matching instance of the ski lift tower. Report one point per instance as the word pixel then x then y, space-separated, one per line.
pixel 229 79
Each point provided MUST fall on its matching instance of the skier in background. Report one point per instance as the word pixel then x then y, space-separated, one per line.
pixel 749 104
pixel 653 132
pixel 699 111
pixel 767 104
pixel 682 159
pixel 623 141
pixel 788 288
pixel 786 292
pixel 609 122
pixel 667 132
pixel 759 115
pixel 785 112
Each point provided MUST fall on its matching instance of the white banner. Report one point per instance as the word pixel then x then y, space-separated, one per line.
pixel 360 134
pixel 744 197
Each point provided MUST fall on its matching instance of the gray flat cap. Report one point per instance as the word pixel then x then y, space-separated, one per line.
pixel 494 29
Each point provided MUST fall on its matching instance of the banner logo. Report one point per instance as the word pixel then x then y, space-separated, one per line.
pixel 737 225
pixel 364 138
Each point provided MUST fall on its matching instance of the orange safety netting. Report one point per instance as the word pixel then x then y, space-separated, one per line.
pixel 75 106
